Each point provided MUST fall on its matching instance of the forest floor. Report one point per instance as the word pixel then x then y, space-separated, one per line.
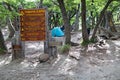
pixel 94 64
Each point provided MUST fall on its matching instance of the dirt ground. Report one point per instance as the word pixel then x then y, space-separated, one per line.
pixel 94 64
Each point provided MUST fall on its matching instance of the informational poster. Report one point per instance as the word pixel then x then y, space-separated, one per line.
pixel 33 24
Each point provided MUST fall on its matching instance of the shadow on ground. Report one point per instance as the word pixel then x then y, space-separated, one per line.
pixel 93 65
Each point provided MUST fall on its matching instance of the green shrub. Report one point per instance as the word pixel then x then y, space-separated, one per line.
pixel 1 50
pixel 84 43
pixel 93 40
pixel 65 48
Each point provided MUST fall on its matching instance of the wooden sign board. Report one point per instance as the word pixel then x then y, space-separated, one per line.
pixel 55 43
pixel 33 24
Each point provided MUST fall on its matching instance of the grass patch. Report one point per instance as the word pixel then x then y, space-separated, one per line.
pixel 1 50
pixel 65 48
pixel 85 43
pixel 93 40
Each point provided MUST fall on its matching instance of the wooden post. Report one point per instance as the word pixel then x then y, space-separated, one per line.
pixel 17 47
pixel 47 48
pixel 47 36
pixel 50 49
pixel 46 42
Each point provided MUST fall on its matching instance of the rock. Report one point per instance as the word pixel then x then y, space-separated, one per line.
pixel 103 36
pixel 44 58
pixel 114 38
pixel 102 45
pixel 75 55
pixel 74 44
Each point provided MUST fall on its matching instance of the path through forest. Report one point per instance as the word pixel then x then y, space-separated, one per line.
pixel 93 65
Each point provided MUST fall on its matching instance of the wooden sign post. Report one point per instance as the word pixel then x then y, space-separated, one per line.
pixel 32 28
pixel 17 49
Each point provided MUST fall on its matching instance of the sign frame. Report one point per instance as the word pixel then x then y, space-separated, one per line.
pixel 45 25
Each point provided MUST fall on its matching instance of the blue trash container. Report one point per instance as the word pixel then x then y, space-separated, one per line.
pixel 57 32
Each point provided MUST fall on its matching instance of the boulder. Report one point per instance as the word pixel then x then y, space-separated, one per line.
pixel 43 58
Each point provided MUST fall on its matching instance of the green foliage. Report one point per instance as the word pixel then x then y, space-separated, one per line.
pixel 70 5
pixel 93 40
pixel 29 5
pixel 52 5
pixel 1 50
pixel 65 48
pixel 8 9
pixel 84 43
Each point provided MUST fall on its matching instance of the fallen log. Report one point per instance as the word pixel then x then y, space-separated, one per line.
pixel 111 35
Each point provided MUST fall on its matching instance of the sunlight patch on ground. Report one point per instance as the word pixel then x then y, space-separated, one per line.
pixel 5 61
pixel 31 46
pixel 116 43
pixel 34 45
pixel 34 48
pixel 67 66
pixel 57 60
pixel 26 64
pixel 108 51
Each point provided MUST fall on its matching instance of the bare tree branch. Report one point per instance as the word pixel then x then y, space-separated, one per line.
pixel 11 24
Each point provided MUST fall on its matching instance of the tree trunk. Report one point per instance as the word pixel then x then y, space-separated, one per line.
pixel 84 28
pixel 2 44
pixel 11 28
pixel 17 45
pixel 11 32
pixel 107 32
pixel 55 19
pixel 91 13
pixel 40 5
pixel 76 23
pixel 100 19
pixel 66 21
pixel 109 21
